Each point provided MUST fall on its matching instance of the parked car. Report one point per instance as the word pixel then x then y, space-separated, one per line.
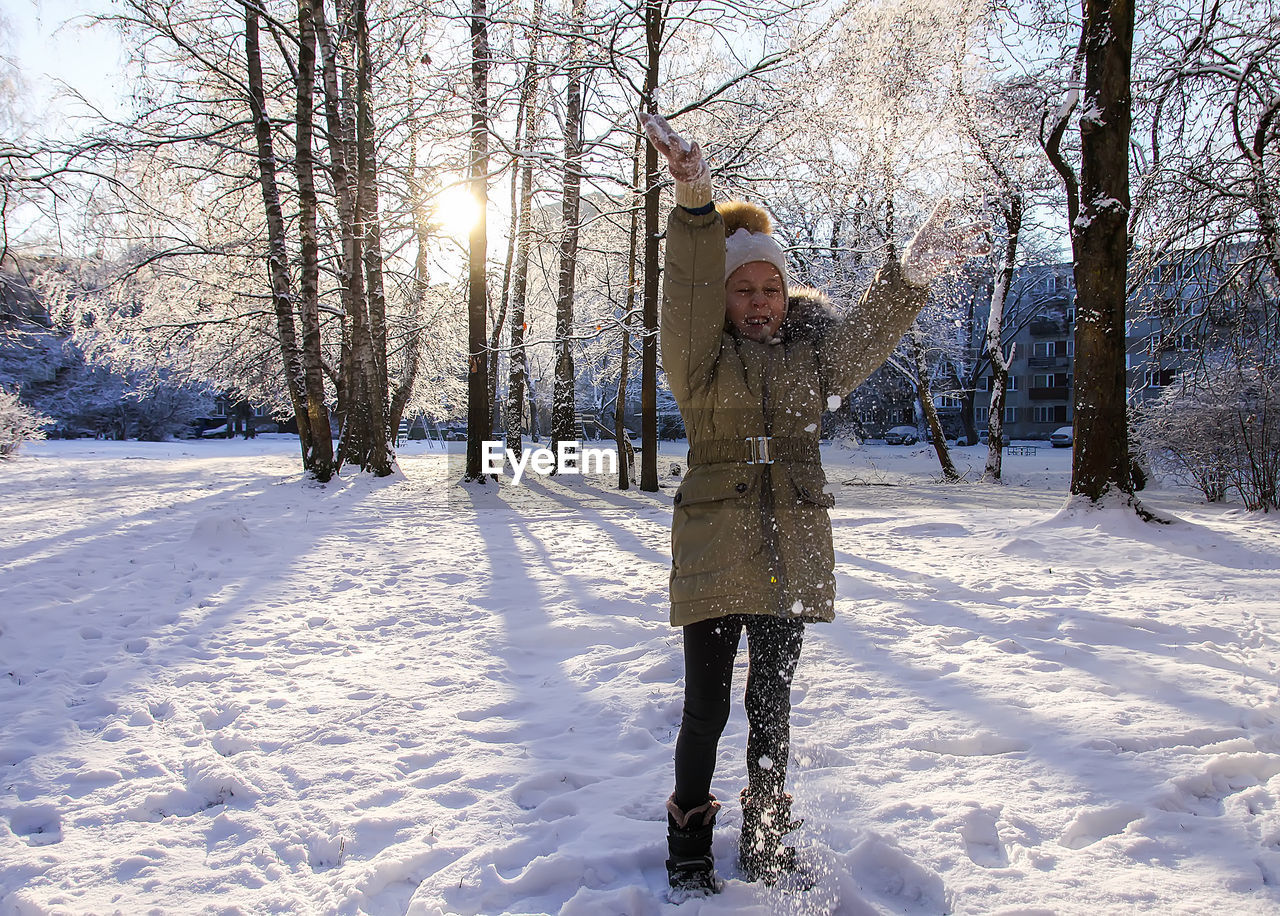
pixel 1062 437
pixel 209 428
pixel 902 435
pixel 985 436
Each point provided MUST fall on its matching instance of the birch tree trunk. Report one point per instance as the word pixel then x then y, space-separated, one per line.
pixel 995 332
pixel 516 378
pixel 309 286
pixel 519 285
pixel 653 24
pixel 340 135
pixel 314 437
pixel 925 393
pixel 563 402
pixel 626 454
pixel 369 334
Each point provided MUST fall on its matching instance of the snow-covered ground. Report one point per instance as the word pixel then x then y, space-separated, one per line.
pixel 223 689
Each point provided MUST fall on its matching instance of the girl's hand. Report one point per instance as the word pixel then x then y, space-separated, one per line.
pixel 937 247
pixel 683 158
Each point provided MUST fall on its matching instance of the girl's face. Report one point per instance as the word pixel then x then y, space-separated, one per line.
pixel 754 300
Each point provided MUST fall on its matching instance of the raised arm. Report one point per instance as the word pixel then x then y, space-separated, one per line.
pixel 861 342
pixel 693 278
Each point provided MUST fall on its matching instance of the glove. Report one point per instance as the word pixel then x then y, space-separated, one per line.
pixel 684 160
pixel 936 247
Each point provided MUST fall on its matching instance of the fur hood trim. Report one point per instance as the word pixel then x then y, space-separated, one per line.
pixel 810 316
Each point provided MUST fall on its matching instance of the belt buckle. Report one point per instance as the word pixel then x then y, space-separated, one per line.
pixel 758 446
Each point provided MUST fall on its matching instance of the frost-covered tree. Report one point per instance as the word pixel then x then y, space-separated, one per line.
pixel 998 117
pixel 1098 204
pixel 866 159
pixel 18 423
pixel 1218 427
pixel 263 204
pixel 1207 93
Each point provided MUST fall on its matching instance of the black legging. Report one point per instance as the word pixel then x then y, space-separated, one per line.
pixel 773 648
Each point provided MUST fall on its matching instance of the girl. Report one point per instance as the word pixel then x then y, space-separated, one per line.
pixel 752 363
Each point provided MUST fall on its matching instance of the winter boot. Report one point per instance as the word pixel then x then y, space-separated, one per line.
pixel 761 854
pixel 690 868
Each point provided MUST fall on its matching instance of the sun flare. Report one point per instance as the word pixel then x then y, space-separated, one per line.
pixel 456 211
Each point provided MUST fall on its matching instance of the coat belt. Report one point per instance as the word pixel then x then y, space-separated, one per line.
pixel 755 450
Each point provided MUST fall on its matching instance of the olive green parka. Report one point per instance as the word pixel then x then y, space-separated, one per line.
pixel 750 537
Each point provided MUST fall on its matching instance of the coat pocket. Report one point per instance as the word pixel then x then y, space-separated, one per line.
pixel 807 482
pixel 804 532
pixel 717 522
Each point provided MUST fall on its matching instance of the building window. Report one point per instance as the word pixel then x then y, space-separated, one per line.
pixel 1052 348
pixel 1155 377
pixel 1042 381
pixel 1011 384
pixel 982 415
pixel 1011 415
pixel 944 401
pixel 1052 414
pixel 983 384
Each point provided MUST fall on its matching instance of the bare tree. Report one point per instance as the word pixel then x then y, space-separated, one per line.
pixel 309 287
pixel 309 410
pixel 998 125
pixel 523 239
pixel 478 423
pixel 1100 244
pixel 563 405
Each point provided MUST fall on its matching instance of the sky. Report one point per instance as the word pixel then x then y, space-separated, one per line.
pixel 50 44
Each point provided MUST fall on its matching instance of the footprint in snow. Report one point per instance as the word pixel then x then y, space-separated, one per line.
pixel 880 867
pixel 1204 793
pixel 1091 826
pixel 39 825
pixel 981 838
pixel 533 792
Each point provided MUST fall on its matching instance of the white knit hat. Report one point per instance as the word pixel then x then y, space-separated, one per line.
pixel 744 246
pixel 748 238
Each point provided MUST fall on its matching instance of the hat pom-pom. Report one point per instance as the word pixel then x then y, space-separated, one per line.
pixel 738 214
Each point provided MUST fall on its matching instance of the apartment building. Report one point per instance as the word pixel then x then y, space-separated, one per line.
pixel 1163 330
